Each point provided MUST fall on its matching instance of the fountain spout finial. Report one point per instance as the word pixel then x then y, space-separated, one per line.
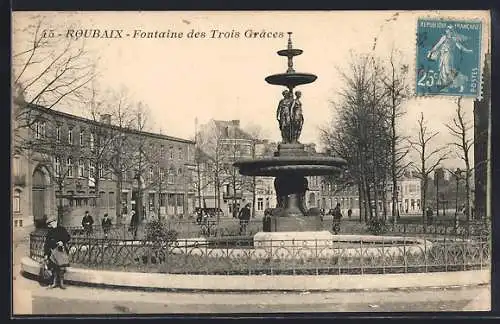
pixel 290 54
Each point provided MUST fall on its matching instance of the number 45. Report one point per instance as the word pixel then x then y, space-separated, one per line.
pixel 427 79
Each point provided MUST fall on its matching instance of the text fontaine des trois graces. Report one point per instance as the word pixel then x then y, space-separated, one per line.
pixel 97 33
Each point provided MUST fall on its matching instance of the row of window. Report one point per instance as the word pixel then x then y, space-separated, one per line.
pixel 86 168
pixel 40 132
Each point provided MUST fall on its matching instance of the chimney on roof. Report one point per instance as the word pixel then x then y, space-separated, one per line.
pixel 106 119
pixel 235 122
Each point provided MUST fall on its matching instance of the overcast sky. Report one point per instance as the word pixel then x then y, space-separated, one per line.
pixel 183 79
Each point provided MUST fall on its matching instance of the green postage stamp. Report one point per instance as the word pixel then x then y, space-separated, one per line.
pixel 448 57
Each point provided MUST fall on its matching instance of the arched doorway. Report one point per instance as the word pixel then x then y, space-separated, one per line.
pixel 39 193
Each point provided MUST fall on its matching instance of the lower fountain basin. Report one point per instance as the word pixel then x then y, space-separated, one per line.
pixel 296 165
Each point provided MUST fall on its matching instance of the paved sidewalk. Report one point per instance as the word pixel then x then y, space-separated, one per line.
pixel 81 300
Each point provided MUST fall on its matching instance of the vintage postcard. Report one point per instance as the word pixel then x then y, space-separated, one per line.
pixel 251 162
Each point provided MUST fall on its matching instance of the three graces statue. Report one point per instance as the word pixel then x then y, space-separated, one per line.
pixel 289 116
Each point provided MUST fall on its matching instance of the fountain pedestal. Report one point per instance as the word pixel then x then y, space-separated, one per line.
pixel 293 239
pixel 292 163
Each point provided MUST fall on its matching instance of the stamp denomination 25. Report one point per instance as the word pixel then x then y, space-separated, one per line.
pixel 448 57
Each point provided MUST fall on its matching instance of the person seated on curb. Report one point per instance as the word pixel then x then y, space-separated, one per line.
pixel 56 242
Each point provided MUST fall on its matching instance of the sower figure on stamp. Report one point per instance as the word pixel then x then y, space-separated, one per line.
pixel 444 48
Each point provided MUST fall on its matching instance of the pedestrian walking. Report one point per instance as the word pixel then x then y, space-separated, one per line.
pixel 244 217
pixel 87 223
pixel 266 221
pixel 56 252
pixel 337 215
pixel 106 225
pixel 349 213
pixel 134 223
pixel 430 215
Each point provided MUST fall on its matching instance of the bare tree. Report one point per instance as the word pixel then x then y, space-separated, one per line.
pixel 460 128
pixel 142 151
pixel 359 133
pixel 429 159
pixel 119 157
pixel 47 69
pixel 211 140
pixel 395 82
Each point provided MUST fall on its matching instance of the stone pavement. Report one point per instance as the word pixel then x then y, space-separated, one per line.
pixel 84 300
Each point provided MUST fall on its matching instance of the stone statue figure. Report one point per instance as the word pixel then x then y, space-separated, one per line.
pixel 297 117
pixel 283 115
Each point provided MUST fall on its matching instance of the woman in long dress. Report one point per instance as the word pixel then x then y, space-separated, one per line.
pixel 443 50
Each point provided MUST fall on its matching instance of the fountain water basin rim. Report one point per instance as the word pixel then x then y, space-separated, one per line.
pixel 298 165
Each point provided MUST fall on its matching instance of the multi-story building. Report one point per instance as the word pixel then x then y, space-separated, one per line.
pixel 221 143
pixel 409 196
pixel 68 164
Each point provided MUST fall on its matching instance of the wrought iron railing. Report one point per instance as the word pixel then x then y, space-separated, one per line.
pixel 231 227
pixel 238 256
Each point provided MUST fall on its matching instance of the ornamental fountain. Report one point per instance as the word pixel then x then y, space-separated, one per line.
pixel 291 163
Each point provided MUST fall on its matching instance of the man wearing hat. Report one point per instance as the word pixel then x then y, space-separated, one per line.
pixel 244 217
pixel 57 238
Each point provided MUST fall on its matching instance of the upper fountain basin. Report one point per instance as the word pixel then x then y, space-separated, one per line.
pixel 291 79
pixel 297 165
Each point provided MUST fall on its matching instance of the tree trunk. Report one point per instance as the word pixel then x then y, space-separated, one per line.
pixel 384 202
pixel 198 183
pixel 119 183
pixel 360 202
pixel 468 207
pixel 60 214
pixel 254 196
pixel 424 203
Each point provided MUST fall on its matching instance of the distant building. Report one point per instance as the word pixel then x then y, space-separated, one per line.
pixel 59 167
pixel 348 195
pixel 222 143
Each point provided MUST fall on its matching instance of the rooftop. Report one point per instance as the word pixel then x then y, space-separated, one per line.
pixel 105 125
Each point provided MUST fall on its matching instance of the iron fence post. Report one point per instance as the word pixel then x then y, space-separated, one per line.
pixel 405 261
pixel 271 254
pixel 316 259
pixel 362 259
pixel 383 257
pixel 425 254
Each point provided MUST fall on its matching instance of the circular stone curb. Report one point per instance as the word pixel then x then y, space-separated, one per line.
pixel 241 283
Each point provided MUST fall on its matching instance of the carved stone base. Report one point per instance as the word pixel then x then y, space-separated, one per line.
pixel 311 239
pixel 291 149
pixel 292 223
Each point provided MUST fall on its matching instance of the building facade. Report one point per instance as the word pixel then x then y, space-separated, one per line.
pixel 482 113
pixel 220 144
pixel 348 196
pixel 68 164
